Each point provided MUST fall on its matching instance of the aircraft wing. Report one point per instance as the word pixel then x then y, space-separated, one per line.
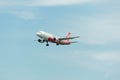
pixel 68 38
pixel 74 42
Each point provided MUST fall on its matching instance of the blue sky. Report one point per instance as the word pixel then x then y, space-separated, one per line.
pixel 95 57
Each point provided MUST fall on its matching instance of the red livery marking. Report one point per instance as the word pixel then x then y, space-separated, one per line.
pixel 67 42
pixel 68 36
pixel 50 39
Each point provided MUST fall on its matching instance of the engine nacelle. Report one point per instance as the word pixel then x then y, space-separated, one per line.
pixel 40 41
pixel 54 39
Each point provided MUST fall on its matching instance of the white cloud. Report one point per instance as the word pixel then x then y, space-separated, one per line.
pixel 24 15
pixel 7 3
pixel 97 30
pixel 60 2
pixel 107 56
pixel 98 56
pixel 45 2
pixel 100 29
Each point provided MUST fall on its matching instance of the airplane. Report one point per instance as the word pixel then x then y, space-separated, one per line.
pixel 47 37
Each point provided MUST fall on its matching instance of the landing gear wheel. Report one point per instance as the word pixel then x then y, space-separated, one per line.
pixel 39 40
pixel 47 44
pixel 57 44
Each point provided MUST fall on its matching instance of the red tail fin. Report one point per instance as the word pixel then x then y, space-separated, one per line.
pixel 68 36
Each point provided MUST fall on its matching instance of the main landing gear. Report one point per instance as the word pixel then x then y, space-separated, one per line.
pixel 47 44
pixel 57 44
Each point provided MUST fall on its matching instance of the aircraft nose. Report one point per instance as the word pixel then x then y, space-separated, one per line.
pixel 37 33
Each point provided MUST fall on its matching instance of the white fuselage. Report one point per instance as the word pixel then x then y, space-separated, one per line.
pixel 44 35
pixel 50 38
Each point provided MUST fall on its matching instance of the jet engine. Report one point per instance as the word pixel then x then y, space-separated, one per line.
pixel 54 39
pixel 40 41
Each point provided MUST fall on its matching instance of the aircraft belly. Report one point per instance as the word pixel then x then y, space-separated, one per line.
pixel 63 42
